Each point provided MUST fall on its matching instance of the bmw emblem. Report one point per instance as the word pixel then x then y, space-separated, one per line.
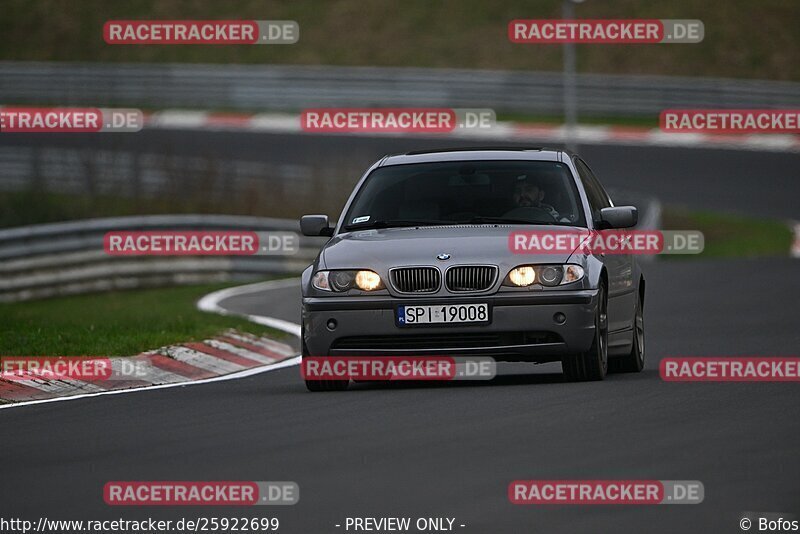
pixel 443 256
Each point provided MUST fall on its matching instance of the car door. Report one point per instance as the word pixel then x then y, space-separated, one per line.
pixel 619 267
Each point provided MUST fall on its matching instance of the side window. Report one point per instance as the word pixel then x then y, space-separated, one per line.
pixel 598 199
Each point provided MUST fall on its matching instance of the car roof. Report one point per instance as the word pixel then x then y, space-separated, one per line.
pixel 476 154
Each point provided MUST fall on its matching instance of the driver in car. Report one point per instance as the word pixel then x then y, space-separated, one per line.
pixel 527 194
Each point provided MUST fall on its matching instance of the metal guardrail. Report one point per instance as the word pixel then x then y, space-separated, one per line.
pixel 279 87
pixel 48 260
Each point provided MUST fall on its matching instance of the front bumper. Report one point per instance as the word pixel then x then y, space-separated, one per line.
pixel 522 327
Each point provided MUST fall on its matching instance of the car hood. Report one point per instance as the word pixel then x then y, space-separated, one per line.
pixel 382 249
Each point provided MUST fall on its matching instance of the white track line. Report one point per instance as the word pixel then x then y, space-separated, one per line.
pixel 232 376
pixel 209 303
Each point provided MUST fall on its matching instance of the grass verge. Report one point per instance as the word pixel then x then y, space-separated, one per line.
pixel 120 323
pixel 731 235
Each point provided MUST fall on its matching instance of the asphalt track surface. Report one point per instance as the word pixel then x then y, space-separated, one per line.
pixel 450 450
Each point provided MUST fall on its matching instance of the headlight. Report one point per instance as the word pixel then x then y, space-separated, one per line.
pixel 551 275
pixel 339 281
pixel 546 275
pixel 522 276
pixel 368 281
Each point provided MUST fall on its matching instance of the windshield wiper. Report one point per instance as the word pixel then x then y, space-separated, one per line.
pixel 393 223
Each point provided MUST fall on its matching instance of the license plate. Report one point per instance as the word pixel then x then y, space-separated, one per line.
pixel 442 313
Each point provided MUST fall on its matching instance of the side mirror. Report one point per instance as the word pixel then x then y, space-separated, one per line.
pixel 315 226
pixel 619 217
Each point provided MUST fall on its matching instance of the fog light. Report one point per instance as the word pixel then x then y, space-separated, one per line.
pixel 332 324
pixel 560 318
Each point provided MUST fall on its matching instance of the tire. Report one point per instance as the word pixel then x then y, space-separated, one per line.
pixel 633 362
pixel 592 364
pixel 322 385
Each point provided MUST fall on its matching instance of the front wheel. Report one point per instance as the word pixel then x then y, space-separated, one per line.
pixel 592 364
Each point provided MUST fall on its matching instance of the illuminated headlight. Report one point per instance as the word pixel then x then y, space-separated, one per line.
pixel 368 280
pixel 546 275
pixel 339 281
pixel 522 276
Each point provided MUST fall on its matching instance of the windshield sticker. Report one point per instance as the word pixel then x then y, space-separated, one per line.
pixel 357 220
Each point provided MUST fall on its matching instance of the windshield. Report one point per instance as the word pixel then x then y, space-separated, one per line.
pixel 520 192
